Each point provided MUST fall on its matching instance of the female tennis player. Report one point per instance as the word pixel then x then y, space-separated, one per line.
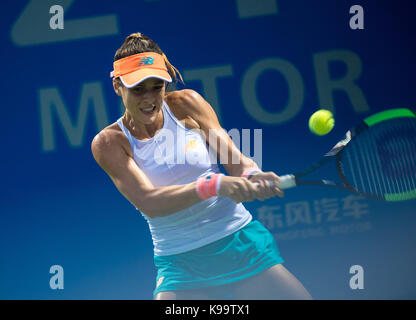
pixel 158 154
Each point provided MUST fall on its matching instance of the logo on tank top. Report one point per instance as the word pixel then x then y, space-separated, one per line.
pixel 146 61
pixel 190 145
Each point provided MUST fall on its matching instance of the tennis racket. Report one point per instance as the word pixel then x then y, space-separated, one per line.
pixel 376 159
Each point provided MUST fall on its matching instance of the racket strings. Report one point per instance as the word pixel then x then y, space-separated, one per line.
pixel 382 160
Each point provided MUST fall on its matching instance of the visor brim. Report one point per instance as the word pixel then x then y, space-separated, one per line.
pixel 134 78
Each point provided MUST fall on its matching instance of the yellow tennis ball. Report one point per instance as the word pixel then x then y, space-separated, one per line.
pixel 321 122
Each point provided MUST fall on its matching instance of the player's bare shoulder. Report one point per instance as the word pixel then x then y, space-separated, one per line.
pixel 189 103
pixel 108 142
pixel 183 105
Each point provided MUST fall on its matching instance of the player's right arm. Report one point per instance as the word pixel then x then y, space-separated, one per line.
pixel 109 151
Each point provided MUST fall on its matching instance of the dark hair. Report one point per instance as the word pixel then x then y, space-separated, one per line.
pixel 138 43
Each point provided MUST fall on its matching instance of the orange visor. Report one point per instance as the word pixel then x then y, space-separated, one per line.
pixel 136 68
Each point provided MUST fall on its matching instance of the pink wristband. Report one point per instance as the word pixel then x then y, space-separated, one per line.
pixel 247 173
pixel 200 189
pixel 208 186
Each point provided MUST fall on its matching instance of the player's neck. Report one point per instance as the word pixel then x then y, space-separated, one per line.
pixel 140 129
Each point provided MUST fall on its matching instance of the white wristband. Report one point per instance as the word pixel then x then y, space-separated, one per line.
pixel 218 183
pixel 250 172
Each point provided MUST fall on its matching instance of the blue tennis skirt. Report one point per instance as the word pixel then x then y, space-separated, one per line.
pixel 240 255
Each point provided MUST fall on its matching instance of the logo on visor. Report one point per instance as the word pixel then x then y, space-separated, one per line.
pixel 146 61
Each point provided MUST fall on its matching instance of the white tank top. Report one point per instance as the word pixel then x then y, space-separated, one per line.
pixel 177 155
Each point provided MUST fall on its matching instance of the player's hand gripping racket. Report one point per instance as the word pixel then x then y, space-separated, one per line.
pixel 376 159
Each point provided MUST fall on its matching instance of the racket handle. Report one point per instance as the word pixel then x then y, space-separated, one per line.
pixel 287 181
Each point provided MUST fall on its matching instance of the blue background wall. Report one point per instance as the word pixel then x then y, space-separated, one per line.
pixel 59 208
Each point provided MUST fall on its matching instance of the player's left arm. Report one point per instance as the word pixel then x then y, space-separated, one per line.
pixel 230 157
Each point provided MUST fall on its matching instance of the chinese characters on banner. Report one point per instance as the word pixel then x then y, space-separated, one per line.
pixel 316 218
